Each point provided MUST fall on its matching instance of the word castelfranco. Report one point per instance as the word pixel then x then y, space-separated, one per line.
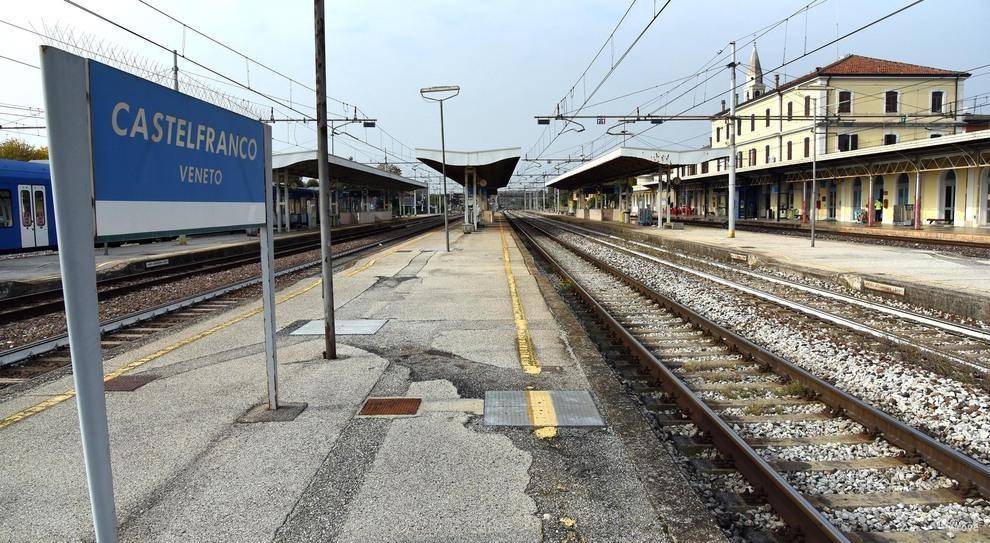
pixel 182 133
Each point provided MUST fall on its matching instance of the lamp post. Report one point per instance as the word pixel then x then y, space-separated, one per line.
pixel 436 94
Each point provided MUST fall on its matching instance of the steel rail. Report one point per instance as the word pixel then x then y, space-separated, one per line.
pixel 790 504
pixel 806 309
pixel 287 247
pixel 971 474
pixel 19 354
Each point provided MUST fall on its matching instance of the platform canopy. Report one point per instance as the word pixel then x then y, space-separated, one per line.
pixel 626 162
pixel 303 163
pixel 494 166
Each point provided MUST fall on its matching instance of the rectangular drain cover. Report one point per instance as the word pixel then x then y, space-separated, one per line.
pixel 358 327
pixel 538 408
pixel 390 406
pixel 128 383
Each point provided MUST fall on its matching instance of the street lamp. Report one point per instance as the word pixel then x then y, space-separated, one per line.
pixel 439 94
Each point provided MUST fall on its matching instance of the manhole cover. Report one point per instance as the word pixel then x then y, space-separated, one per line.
pixel 390 406
pixel 128 383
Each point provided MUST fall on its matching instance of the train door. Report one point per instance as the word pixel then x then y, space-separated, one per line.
pixel 31 201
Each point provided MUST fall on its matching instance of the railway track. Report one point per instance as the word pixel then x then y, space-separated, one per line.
pixel 965 347
pixel 26 361
pixel 50 301
pixel 831 466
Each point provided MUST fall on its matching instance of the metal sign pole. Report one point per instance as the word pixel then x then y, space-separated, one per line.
pixel 65 82
pixel 268 279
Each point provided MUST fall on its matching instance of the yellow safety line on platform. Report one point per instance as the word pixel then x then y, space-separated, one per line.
pixel 524 342
pixel 69 394
pixel 542 415
pixel 371 262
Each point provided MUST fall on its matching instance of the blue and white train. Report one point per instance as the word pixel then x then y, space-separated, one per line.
pixel 27 217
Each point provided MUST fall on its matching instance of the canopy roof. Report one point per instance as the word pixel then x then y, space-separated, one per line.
pixel 303 163
pixel 626 162
pixel 494 166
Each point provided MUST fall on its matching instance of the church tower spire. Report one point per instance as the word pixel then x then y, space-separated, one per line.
pixel 754 77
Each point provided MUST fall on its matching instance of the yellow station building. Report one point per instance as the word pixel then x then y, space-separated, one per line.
pixel 875 129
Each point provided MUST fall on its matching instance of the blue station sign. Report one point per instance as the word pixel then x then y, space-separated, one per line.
pixel 167 163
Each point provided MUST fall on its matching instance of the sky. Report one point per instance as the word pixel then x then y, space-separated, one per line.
pixel 513 60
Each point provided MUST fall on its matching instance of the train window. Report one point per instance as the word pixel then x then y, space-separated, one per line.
pixel 26 220
pixel 6 209
pixel 39 208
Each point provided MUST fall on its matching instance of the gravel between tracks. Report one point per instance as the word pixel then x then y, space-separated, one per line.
pixel 15 334
pixel 954 412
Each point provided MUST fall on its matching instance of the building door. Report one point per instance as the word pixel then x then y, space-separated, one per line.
pixel 877 195
pixel 833 197
pixel 31 201
pixel 986 196
pixel 949 196
pixel 949 210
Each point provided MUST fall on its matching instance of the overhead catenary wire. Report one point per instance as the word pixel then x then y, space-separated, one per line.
pixel 788 62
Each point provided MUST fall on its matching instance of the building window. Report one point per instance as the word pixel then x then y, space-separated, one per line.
pixel 849 142
pixel 752 157
pixel 738 126
pixel 739 159
pixel 767 158
pixel 890 102
pixel 889 139
pixel 789 148
pixel 807 147
pixel 752 123
pixel 937 101
pixel 704 167
pixel 845 101
pixel 807 106
pixel 790 110
pixel 6 209
pixel 768 116
pixel 718 133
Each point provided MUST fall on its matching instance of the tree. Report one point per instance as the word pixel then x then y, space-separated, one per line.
pixel 15 149
pixel 390 168
pixel 313 183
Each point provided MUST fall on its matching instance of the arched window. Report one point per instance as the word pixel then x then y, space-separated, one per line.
pixel 752 157
pixel 902 189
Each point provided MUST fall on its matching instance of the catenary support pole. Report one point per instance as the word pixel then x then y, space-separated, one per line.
pixel 323 166
pixel 175 69
pixel 917 198
pixel 814 170
pixel 64 79
pixel 732 147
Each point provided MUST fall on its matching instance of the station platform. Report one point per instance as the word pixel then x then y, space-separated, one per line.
pixel 27 272
pixel 929 278
pixel 521 432
pixel 928 233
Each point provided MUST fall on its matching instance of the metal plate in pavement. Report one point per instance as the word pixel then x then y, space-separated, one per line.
pixel 359 327
pixel 514 408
